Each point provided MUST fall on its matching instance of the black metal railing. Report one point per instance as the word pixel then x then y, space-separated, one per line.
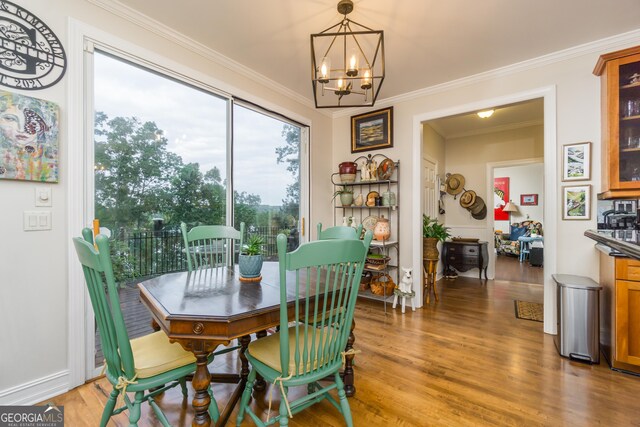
pixel 147 253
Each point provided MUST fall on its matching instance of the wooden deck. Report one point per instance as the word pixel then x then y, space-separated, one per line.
pixel 136 317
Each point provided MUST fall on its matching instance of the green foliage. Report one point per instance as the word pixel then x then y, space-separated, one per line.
pixel 253 245
pixel 136 175
pixel 432 228
pixel 123 263
pixel 344 190
pixel 290 154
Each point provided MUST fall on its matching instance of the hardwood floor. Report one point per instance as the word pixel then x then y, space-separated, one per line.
pixel 511 269
pixel 463 361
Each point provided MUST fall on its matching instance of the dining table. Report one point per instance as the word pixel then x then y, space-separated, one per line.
pixel 210 307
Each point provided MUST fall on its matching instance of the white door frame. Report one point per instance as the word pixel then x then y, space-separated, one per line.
pixel 548 93
pixel 491 270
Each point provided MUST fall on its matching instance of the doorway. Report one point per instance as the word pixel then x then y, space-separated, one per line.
pixel 518 220
pixel 548 97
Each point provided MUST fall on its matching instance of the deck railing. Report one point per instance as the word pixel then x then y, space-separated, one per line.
pixel 147 253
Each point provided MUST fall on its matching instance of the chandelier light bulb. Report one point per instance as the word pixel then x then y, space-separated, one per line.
pixel 352 70
pixel 366 80
pixel 325 70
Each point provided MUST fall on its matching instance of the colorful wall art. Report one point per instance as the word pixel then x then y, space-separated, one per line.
pixel 29 130
pixel 500 198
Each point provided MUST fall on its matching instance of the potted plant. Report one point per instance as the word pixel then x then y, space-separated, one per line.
pixel 432 233
pixel 346 195
pixel 250 259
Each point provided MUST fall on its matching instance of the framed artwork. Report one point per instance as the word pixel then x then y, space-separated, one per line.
pixel 576 162
pixel 529 200
pixel 576 202
pixel 29 130
pixel 500 198
pixel 372 131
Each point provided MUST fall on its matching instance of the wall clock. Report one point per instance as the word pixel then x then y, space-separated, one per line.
pixel 31 55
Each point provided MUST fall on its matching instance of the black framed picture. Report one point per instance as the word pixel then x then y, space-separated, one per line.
pixel 372 131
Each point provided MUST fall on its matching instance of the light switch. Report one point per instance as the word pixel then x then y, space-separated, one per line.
pixel 37 220
pixel 43 196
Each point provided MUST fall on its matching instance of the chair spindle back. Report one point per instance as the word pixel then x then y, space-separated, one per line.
pixel 211 245
pixel 325 279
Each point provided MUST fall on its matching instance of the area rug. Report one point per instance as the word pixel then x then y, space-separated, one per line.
pixel 529 310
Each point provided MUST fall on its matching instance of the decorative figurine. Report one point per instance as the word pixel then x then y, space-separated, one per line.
pixel 404 289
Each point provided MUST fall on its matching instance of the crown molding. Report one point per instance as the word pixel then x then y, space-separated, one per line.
pixel 596 47
pixel 168 33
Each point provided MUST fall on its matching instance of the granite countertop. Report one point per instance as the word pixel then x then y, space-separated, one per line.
pixel 622 242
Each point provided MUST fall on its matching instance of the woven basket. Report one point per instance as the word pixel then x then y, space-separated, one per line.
pixel 382 285
pixel 378 261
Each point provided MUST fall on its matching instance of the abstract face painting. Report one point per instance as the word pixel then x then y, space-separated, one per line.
pixel 28 138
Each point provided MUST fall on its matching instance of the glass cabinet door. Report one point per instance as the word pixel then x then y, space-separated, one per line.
pixel 629 123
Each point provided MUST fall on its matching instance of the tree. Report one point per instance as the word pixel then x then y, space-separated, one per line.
pixel 290 154
pixel 133 170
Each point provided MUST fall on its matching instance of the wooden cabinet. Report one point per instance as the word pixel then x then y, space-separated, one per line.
pixel 464 256
pixel 620 107
pixel 620 312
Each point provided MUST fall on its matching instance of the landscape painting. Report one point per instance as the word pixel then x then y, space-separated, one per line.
pixel 28 138
pixel 576 202
pixel 576 162
pixel 372 131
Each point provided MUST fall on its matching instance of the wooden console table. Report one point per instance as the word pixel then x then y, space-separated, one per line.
pixel 464 256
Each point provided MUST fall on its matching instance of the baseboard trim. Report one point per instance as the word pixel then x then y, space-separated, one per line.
pixel 37 390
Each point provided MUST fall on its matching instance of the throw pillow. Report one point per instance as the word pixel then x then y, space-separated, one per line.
pixel 517 232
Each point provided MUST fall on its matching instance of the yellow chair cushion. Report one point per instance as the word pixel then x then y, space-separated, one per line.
pixel 267 349
pixel 154 354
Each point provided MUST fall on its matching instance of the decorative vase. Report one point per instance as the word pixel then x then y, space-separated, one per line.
pixel 347 171
pixel 359 200
pixel 250 265
pixel 430 248
pixel 346 199
pixel 382 231
pixel 388 198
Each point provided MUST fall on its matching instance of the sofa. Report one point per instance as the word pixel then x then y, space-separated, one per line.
pixel 508 244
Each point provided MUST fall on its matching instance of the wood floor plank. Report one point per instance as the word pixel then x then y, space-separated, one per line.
pixel 463 361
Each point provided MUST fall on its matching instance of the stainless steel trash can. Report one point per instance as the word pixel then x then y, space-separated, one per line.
pixel 578 318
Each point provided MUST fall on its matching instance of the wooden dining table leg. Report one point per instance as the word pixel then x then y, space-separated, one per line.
pixel 348 374
pixel 244 344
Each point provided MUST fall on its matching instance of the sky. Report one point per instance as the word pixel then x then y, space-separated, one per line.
pixel 194 123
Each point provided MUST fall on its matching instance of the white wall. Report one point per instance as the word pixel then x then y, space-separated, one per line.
pixel 34 309
pixel 576 94
pixel 469 156
pixel 525 179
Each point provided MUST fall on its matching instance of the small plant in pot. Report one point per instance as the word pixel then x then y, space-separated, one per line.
pixel 346 195
pixel 432 233
pixel 250 259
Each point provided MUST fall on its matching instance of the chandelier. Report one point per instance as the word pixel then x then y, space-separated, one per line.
pixel 347 63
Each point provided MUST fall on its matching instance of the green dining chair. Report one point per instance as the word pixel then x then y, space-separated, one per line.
pixel 145 366
pixel 339 232
pixel 318 281
pixel 211 245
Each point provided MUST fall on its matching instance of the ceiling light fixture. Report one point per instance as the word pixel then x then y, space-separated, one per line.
pixel 485 114
pixel 347 62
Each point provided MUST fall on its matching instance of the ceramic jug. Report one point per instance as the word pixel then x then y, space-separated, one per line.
pixel 382 231
pixel 359 200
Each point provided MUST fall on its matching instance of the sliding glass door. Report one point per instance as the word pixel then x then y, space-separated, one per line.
pixel 266 176
pixel 167 151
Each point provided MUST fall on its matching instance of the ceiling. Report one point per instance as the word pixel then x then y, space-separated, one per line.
pixel 504 117
pixel 427 42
